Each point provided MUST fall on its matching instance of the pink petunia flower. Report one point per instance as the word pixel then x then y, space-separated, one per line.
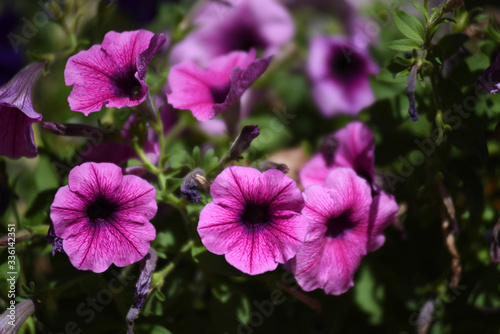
pixel 354 148
pixel 17 114
pixel 103 217
pixel 235 25
pixel 345 223
pixel 208 92
pixel 339 70
pixel 112 74
pixel 254 219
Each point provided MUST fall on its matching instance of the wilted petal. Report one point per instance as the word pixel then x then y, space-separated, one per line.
pixel 208 92
pixel 17 113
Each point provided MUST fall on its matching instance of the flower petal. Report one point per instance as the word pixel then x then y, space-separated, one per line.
pixel 121 243
pixel 136 199
pixel 91 180
pixel 236 186
pixel 219 228
pixel 383 212
pixel 68 213
pixel 281 191
pixel 16 134
pixel 105 75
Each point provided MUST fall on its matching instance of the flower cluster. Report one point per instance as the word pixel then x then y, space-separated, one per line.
pixel 258 220
pixel 177 129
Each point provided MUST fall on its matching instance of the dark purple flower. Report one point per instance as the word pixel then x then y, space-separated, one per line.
pixel 17 114
pixel 340 71
pixel 489 81
pixel 235 25
pixel 112 74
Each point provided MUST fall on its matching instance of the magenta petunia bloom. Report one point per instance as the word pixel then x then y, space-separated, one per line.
pixel 254 219
pixel 208 92
pixel 339 70
pixel 354 148
pixel 103 217
pixel 235 25
pixel 113 73
pixel 345 223
pixel 17 113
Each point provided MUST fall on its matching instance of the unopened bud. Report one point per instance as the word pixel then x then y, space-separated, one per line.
pixel 242 143
pixel 15 315
pixel 189 188
pixel 56 11
pixel 202 181
pixel 72 130
pixel 411 84
pixel 266 165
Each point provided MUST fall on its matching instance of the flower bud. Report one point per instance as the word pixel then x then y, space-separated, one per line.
pixel 266 165
pixel 411 84
pixel 202 181
pixel 242 143
pixel 15 315
pixel 71 130
pixel 189 188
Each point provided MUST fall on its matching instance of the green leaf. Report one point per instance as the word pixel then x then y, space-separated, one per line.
pixel 369 296
pixel 404 45
pixel 172 184
pixel 196 156
pixel 403 73
pixel 408 25
pixel 402 61
pixel 42 202
pixel 422 9
pixel 160 295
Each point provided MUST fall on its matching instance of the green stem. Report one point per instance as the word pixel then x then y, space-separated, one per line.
pixel 159 277
pixel 147 164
